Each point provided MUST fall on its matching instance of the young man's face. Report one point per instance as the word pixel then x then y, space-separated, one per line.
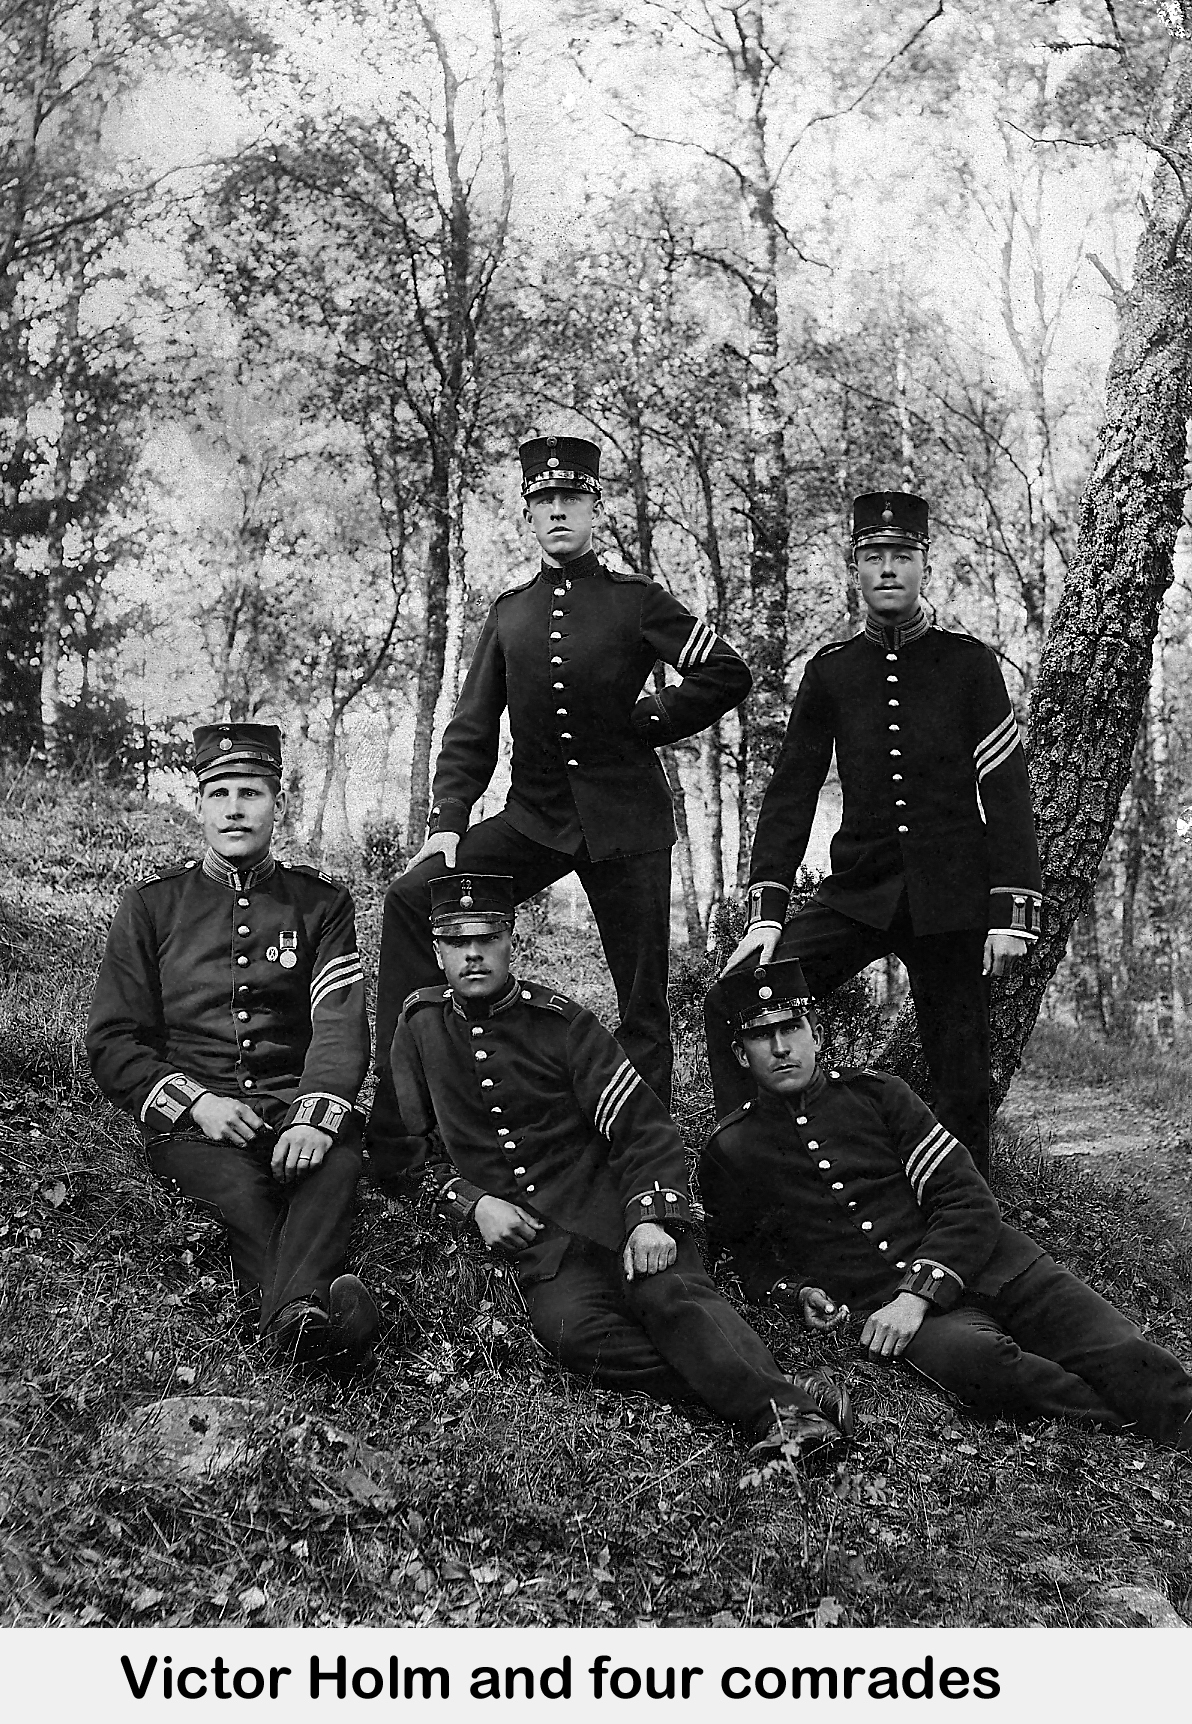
pixel 891 579
pixel 238 816
pixel 780 1056
pixel 475 965
pixel 562 522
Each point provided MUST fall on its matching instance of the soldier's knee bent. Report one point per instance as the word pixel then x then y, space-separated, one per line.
pixel 573 1337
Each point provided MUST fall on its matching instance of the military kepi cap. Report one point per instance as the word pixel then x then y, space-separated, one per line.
pixel 237 751
pixel 559 464
pixel 767 994
pixel 890 518
pixel 463 904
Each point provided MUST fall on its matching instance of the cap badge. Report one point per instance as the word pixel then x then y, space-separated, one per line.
pixel 552 460
pixel 552 442
pixel 887 514
pixel 466 899
pixel 225 743
pixel 765 993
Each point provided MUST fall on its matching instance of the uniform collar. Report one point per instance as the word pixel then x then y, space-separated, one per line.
pixel 900 635
pixel 234 879
pixel 588 564
pixel 480 1009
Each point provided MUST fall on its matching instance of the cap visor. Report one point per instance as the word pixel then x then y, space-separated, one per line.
pixel 789 1011
pixel 890 536
pixel 478 922
pixel 230 767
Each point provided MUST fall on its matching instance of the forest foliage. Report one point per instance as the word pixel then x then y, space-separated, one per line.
pixel 282 287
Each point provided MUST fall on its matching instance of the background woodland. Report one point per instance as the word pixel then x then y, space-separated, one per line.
pixel 283 285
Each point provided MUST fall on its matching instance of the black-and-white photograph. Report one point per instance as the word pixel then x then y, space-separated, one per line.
pixel 595 919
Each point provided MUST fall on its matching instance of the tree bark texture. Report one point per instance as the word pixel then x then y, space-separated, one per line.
pixel 1096 661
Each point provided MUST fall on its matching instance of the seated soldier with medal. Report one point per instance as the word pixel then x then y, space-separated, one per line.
pixel 549 1146
pixel 229 1019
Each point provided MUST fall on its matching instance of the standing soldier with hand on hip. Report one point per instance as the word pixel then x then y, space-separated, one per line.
pixel 229 1018
pixel 568 653
pixel 935 859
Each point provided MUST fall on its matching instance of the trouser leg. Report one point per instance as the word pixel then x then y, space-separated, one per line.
pixel 407 961
pixel 831 948
pixel 709 1344
pixel 952 1009
pixel 1052 1311
pixel 630 899
pixel 236 1185
pixel 969 1352
pixel 669 1335
pixel 312 1240
pixel 288 1242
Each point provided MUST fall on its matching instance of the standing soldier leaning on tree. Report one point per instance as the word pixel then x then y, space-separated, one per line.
pixel 229 1018
pixel 568 653
pixel 935 859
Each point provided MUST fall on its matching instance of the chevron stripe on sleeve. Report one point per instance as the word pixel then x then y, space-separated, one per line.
pixel 341 972
pixel 926 1157
pixel 997 747
pixel 613 1097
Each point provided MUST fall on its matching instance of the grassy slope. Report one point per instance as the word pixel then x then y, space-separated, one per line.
pixel 510 1493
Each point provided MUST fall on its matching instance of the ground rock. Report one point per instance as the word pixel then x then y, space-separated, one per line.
pixel 191 1437
pixel 1136 1607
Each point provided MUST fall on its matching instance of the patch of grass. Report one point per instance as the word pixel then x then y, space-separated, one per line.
pixel 1067 1054
pixel 512 1493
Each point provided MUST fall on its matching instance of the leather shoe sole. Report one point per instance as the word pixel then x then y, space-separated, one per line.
pixel 796 1437
pixel 299 1333
pixel 355 1320
pixel 829 1395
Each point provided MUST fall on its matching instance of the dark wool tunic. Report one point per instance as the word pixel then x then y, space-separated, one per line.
pixel 856 1188
pixel 569 654
pixel 248 985
pixel 936 796
pixel 536 1103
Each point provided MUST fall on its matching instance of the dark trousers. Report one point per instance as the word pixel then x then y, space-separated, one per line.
pixel 1047 1346
pixel 671 1335
pixel 287 1241
pixel 951 1004
pixel 630 899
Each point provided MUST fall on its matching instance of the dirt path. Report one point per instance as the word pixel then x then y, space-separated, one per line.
pixel 1106 1132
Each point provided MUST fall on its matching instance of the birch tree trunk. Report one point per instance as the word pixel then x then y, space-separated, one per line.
pixel 769 521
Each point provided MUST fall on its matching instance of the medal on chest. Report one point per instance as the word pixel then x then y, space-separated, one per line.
pixel 288 943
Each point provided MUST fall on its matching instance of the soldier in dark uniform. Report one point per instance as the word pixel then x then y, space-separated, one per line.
pixel 229 1018
pixel 842 1185
pixel 568 654
pixel 935 859
pixel 551 1147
